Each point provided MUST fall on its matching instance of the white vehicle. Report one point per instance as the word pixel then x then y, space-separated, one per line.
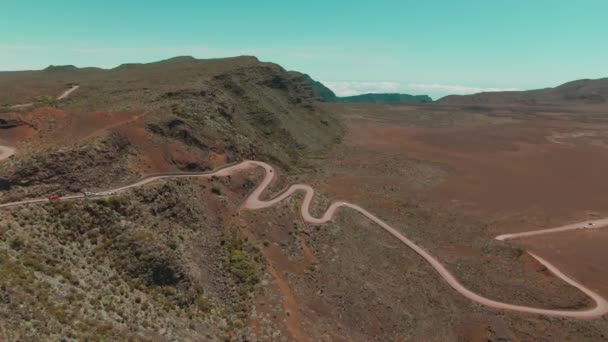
pixel 589 225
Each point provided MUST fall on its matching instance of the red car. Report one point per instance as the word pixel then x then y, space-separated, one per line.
pixel 54 198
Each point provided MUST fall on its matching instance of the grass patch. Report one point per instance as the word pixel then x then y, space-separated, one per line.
pixel 241 262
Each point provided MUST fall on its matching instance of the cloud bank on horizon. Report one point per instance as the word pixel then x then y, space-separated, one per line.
pixel 435 90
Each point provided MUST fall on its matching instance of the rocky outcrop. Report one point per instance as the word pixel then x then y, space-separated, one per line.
pixel 10 123
pixel 99 163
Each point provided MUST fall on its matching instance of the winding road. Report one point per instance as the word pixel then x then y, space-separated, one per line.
pixel 254 202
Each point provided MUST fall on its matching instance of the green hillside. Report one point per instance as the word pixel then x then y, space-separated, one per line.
pixel 325 94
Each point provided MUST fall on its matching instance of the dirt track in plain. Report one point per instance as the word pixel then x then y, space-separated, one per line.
pixel 67 92
pixel 60 97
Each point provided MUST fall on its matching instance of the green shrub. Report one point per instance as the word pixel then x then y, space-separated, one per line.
pixel 216 190
pixel 172 244
pixel 113 202
pixel 240 261
pixel 242 267
pixel 17 244
pixel 204 304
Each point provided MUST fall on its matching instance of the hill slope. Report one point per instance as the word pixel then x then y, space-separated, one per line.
pixel 235 106
pixel 575 92
pixel 165 262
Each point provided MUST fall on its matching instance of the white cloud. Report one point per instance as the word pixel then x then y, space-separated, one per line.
pixel 18 67
pixel 350 88
pixel 453 89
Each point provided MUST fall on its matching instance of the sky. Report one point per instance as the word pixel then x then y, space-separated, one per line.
pixel 434 47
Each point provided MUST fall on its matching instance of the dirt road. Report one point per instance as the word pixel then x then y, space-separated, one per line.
pixel 60 97
pixel 67 92
pixel 254 202
pixel 6 152
pixel 595 224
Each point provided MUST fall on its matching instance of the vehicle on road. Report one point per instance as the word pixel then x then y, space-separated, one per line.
pixel 54 198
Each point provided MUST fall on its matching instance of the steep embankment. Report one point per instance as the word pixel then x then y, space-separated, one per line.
pixel 181 114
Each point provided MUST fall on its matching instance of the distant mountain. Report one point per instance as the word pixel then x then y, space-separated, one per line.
pixel 55 68
pixel 575 92
pixel 327 95
pixel 385 98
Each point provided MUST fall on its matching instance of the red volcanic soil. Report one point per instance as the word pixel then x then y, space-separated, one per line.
pixel 157 154
pixel 506 169
pixel 48 127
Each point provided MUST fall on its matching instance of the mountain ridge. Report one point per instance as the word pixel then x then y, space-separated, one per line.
pixel 583 91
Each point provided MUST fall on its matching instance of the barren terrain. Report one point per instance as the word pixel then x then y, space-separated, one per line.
pixel 493 174
pixel 186 259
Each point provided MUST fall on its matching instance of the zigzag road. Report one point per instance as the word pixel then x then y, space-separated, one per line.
pixel 254 202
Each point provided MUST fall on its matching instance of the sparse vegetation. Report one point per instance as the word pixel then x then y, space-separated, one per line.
pixel 16 244
pixel 243 263
pixel 173 261
pixel 240 263
pixel 115 203
pixel 45 100
pixel 99 162
pixel 122 255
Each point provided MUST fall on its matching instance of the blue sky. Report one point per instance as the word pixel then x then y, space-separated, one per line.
pixel 421 47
